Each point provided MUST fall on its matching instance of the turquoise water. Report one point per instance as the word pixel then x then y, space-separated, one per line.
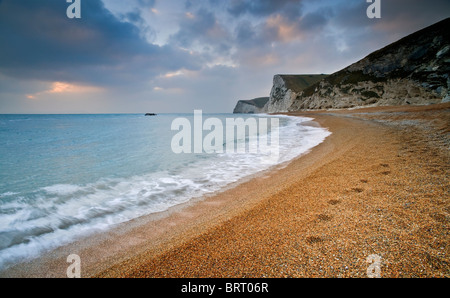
pixel 67 176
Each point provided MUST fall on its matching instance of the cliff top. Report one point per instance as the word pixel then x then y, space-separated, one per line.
pixel 259 102
pixel 301 82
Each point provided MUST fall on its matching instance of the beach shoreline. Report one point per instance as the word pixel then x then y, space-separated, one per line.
pixel 377 186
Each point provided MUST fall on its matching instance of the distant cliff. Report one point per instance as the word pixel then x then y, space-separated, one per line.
pixel 253 106
pixel 413 70
pixel 286 88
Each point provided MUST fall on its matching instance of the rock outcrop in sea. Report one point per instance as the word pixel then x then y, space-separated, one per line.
pixel 253 106
pixel 284 92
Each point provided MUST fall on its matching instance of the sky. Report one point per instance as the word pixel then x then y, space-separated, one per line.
pixel 175 56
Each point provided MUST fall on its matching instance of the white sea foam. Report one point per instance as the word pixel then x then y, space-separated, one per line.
pixel 8 194
pixel 62 189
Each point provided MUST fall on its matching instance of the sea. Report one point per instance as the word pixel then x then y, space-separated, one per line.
pixel 64 177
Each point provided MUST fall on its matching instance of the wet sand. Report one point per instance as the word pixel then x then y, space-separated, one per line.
pixel 379 185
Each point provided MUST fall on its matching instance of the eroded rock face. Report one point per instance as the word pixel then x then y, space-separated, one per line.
pixel 367 93
pixel 253 106
pixel 281 98
pixel 413 70
pixel 286 89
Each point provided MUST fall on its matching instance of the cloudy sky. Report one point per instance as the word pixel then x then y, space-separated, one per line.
pixel 167 56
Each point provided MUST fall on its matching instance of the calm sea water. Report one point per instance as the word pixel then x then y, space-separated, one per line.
pixel 67 176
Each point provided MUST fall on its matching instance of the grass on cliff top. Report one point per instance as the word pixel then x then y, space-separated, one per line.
pixel 298 83
pixel 259 102
pixel 344 77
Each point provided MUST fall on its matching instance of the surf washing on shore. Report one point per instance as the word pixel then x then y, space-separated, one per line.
pixel 67 176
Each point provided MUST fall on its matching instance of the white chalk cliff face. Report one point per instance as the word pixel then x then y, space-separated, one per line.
pixel 253 106
pixel 413 70
pixel 281 97
pixel 286 89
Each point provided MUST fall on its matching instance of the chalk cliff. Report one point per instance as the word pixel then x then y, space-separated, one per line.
pixel 413 70
pixel 253 106
pixel 286 88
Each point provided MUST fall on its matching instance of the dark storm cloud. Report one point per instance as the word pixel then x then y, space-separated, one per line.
pixel 147 3
pixel 188 4
pixel 262 8
pixel 192 28
pixel 41 42
pixel 279 28
pixel 135 17
pixel 246 34
pixel 202 28
pixel 315 20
